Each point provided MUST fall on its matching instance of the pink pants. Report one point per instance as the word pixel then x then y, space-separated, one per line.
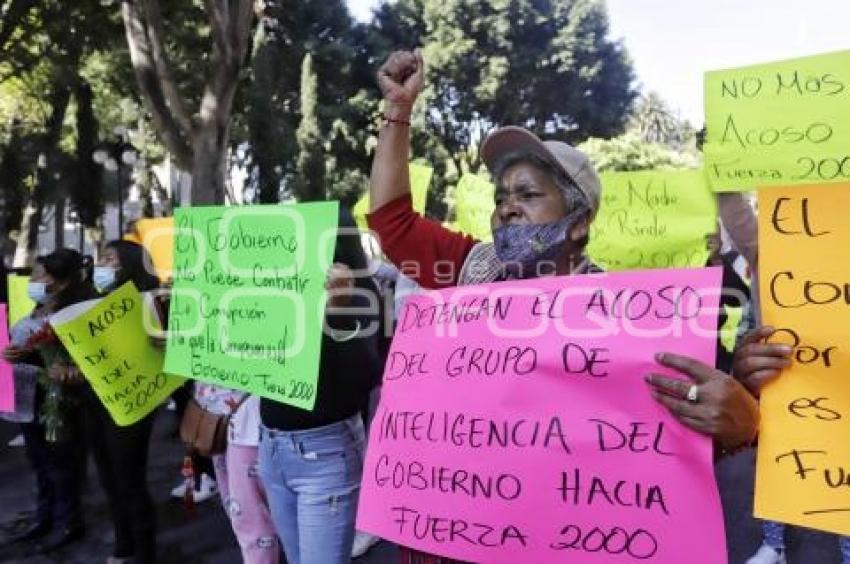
pixel 245 503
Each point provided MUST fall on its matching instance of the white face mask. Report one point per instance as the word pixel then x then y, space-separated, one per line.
pixel 104 277
pixel 37 291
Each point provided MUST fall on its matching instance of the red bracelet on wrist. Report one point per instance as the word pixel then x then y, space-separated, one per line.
pixel 389 119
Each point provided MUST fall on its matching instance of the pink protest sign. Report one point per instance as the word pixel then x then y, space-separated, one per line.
pixel 7 382
pixel 515 424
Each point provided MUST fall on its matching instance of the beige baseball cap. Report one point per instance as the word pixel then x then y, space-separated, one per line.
pixel 573 162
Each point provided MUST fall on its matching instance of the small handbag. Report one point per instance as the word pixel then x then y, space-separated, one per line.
pixel 203 432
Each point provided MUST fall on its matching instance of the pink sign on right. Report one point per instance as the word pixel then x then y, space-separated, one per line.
pixel 515 424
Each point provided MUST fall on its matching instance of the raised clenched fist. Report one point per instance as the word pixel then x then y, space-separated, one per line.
pixel 401 77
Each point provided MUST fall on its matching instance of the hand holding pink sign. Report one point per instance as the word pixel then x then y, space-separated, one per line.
pixel 516 425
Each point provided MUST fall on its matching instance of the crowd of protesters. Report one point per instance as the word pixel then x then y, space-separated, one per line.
pixel 289 478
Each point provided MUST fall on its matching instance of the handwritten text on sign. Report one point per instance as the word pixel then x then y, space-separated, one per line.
pixel 247 305
pixel 515 424
pixel 779 124
pixel 653 219
pixel 108 342
pixel 803 474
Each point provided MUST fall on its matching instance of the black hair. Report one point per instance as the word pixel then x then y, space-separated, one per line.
pixel 349 248
pixel 74 268
pixel 133 260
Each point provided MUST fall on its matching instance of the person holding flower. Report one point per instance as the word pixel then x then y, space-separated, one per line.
pixel 54 438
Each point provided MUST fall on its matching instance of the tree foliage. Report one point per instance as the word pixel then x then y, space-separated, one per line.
pixel 205 81
pixel 630 152
pixel 655 123
pixel 345 100
pixel 655 139
pixel 548 66
pixel 310 179
pixel 199 138
pixel 46 45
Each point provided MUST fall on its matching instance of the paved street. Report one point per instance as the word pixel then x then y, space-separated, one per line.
pixel 207 538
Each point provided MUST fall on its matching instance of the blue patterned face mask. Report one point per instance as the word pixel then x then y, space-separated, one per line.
pixel 104 277
pixel 521 247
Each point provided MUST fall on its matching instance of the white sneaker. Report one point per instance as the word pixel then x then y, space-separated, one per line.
pixel 208 488
pixel 179 491
pixel 362 543
pixel 18 441
pixel 767 555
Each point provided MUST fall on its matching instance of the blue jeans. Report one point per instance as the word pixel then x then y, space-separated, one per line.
pixel 312 480
pixel 774 536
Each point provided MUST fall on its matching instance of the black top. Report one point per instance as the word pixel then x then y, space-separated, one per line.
pixel 4 298
pixel 347 373
pixel 736 293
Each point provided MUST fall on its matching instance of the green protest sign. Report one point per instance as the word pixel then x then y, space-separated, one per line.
pixel 247 305
pixel 653 219
pixel 108 341
pixel 420 180
pixel 474 206
pixel 781 123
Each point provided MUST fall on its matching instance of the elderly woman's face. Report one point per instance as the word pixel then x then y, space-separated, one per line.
pixel 526 194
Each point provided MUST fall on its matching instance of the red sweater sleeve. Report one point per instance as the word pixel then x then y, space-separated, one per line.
pixel 422 249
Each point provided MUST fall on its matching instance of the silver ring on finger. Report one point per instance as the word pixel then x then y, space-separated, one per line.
pixel 693 394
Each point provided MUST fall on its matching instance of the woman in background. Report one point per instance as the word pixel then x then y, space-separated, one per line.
pixel 121 453
pixel 54 438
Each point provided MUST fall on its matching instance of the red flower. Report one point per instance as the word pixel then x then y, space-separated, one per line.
pixel 44 337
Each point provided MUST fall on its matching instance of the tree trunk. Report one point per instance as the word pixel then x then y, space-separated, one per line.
pixel 59 223
pixel 210 167
pixel 27 239
pixel 198 142
pixel 95 235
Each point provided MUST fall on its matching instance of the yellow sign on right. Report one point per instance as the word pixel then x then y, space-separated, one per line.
pixel 778 124
pixel 803 469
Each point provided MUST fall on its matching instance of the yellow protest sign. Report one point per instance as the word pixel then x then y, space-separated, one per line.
pixel 20 304
pixel 803 470
pixel 778 124
pixel 108 341
pixel 157 236
pixel 420 180
pixel 474 206
pixel 133 238
pixel 653 219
